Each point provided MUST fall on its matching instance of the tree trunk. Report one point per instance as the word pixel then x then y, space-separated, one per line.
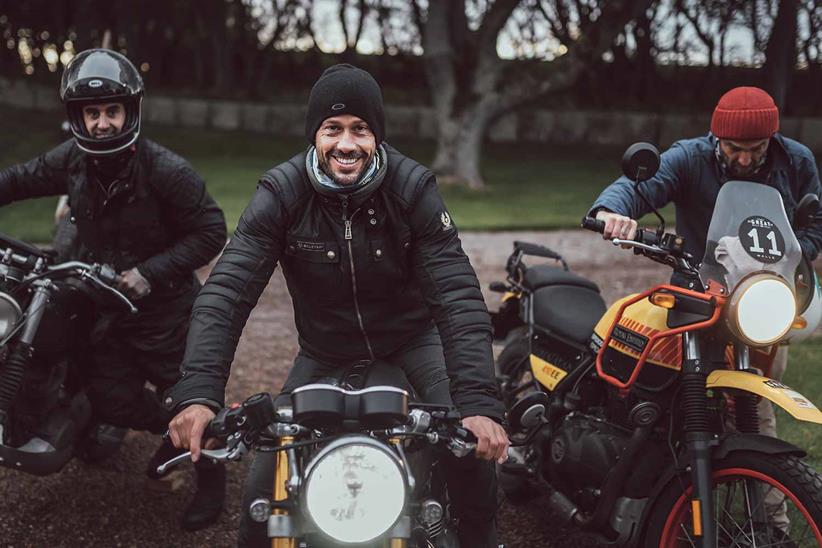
pixel 780 55
pixel 469 90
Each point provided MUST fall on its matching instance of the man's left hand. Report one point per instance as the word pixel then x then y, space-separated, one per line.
pixel 492 442
pixel 133 284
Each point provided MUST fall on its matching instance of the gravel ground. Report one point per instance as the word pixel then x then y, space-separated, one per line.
pixel 110 504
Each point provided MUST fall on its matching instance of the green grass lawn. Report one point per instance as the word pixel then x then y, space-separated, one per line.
pixel 804 374
pixel 529 187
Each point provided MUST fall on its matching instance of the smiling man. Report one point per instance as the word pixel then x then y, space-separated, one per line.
pixel 143 210
pixel 376 273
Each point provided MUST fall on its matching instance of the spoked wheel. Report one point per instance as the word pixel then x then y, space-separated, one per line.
pixel 760 501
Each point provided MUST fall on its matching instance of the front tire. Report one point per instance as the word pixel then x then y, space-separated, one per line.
pixel 792 507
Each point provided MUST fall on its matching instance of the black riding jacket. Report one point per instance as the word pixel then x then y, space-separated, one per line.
pixel 366 271
pixel 156 216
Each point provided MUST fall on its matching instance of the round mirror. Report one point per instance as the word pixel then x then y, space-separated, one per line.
pixel 640 162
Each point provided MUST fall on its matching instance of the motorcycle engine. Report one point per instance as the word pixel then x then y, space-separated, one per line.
pixel 580 454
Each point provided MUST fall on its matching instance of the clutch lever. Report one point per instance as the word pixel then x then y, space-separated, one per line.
pixel 102 285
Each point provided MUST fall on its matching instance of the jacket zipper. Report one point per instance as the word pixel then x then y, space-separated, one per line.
pixel 348 238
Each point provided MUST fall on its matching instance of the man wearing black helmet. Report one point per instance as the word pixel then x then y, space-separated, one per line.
pixel 143 210
pixel 376 273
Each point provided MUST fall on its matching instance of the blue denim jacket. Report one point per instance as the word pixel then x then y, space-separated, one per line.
pixel 689 176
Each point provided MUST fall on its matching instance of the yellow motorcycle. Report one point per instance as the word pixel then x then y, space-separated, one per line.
pixel 640 421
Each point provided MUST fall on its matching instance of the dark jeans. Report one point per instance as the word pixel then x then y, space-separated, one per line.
pixel 127 351
pixel 472 483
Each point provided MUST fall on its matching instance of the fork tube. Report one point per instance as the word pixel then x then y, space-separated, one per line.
pixel 698 439
pixel 280 491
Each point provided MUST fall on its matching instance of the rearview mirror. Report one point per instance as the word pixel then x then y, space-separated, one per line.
pixel 640 162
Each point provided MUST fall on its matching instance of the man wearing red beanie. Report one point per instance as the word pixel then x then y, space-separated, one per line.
pixel 743 145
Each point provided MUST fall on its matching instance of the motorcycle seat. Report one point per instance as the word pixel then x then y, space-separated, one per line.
pixel 568 311
pixel 544 275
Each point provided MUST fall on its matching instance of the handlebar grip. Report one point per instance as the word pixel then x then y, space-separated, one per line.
pixel 465 434
pixel 594 225
pixel 647 237
pixel 108 275
pixel 211 431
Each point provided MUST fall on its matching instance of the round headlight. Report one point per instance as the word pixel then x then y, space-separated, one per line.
pixel 9 314
pixel 763 309
pixel 355 490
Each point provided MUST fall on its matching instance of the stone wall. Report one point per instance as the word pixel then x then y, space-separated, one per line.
pixel 532 126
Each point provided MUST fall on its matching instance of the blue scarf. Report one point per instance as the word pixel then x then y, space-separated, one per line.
pixel 327 181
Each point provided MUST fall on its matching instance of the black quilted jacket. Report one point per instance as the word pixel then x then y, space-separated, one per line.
pixel 157 216
pixel 366 273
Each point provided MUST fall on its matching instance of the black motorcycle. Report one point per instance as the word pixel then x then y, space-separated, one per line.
pixel 353 466
pixel 47 312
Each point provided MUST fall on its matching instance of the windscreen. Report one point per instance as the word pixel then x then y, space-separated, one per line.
pixel 749 233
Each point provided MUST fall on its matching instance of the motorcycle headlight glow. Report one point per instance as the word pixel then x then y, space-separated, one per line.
pixel 762 309
pixel 9 314
pixel 355 490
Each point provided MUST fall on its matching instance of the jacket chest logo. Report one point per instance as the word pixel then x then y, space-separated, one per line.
pixel 311 246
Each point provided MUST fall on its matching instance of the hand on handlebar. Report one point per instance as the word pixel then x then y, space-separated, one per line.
pixel 492 441
pixel 133 284
pixel 187 428
pixel 617 226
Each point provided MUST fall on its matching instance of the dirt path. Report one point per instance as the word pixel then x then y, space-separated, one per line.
pixel 108 504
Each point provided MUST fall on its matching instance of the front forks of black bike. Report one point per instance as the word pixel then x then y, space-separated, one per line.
pixel 699 441
pixel 14 368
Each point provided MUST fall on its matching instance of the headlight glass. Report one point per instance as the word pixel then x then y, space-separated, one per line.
pixel 765 310
pixel 355 492
pixel 9 314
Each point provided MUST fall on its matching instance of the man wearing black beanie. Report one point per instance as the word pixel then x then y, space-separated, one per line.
pixel 377 276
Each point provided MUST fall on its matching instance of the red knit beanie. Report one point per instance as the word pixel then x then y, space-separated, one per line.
pixel 745 113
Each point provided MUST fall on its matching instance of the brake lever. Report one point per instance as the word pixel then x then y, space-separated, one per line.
pixel 223 454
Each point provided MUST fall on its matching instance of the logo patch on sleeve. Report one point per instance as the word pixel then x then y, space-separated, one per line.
pixel 446 221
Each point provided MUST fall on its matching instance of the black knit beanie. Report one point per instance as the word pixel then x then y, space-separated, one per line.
pixel 345 89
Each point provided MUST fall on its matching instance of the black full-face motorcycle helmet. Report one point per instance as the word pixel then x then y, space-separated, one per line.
pixel 102 76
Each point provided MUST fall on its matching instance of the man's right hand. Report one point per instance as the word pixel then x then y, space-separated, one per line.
pixel 617 226
pixel 187 428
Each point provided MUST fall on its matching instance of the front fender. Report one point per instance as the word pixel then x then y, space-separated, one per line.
pixel 756 443
pixel 791 401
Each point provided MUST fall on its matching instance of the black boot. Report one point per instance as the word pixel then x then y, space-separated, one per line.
pixel 164 453
pixel 100 442
pixel 207 502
